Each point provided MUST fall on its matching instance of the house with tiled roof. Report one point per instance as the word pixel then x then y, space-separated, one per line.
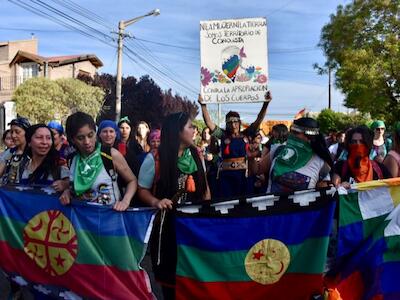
pixel 19 61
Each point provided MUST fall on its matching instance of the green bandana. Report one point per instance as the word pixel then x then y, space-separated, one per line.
pixel 186 163
pixel 293 156
pixel 86 171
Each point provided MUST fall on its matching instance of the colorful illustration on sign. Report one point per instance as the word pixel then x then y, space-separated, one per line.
pixel 51 242
pixel 233 69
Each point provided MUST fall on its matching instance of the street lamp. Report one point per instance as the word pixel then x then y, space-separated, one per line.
pixel 121 27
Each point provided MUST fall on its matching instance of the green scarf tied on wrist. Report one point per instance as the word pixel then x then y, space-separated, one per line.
pixel 86 171
pixel 186 163
pixel 295 155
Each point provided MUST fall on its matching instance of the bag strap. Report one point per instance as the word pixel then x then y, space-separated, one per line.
pixel 377 169
pixel 105 152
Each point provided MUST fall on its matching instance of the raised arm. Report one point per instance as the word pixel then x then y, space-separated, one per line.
pixel 206 116
pixel 261 115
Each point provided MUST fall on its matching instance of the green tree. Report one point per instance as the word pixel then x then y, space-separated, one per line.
pixel 337 121
pixel 41 99
pixel 38 99
pixel 361 42
pixel 79 96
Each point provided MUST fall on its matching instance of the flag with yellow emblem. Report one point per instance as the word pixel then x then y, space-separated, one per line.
pixel 368 255
pixel 268 247
pixel 79 251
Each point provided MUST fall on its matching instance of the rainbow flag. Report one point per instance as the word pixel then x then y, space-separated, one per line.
pixel 368 256
pixel 268 247
pixel 76 251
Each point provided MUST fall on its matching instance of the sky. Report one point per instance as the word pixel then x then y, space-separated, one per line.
pixel 167 46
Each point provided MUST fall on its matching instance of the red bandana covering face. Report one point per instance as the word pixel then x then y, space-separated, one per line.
pixel 359 163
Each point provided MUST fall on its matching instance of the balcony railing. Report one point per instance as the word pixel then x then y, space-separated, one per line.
pixel 10 83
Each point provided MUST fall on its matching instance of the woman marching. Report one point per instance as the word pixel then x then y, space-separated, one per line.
pixel 94 173
pixel 41 164
pixel 11 158
pixel 181 179
pixel 233 170
pixel 358 167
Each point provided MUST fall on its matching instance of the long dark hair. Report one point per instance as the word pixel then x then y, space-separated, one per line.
pixel 50 164
pixel 366 133
pixel 167 186
pixel 75 122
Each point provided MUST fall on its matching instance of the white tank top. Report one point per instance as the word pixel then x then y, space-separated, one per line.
pixel 103 190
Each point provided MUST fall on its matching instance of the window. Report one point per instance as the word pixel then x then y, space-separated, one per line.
pixel 29 70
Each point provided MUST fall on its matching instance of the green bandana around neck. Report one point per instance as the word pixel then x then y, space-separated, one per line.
pixel 186 163
pixel 295 155
pixel 86 171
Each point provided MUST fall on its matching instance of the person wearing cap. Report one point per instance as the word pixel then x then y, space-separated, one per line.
pixel 9 162
pixel 233 170
pixel 358 166
pixel 60 143
pixel 381 146
pixel 303 162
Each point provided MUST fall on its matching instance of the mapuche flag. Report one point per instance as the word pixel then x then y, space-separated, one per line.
pixel 368 256
pixel 268 247
pixel 78 251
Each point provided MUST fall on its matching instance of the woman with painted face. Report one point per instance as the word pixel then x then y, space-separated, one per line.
pixel 181 179
pixel 41 164
pixel 233 170
pixel 94 173
pixel 10 160
pixel 358 167
pixel 304 162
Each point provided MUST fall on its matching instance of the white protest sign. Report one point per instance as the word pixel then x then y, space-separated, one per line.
pixel 234 60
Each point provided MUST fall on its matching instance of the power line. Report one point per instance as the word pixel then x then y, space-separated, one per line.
pixel 43 14
pixel 273 51
pixel 160 71
pixel 82 11
pixel 69 18
pixel 292 70
pixel 40 12
pixel 157 61
pixel 280 8
pixel 167 45
pixel 36 30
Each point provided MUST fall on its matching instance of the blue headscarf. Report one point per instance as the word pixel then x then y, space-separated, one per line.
pixel 109 123
pixel 57 126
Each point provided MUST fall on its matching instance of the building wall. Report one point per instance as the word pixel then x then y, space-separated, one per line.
pixel 8 51
pixel 30 46
pixel 71 70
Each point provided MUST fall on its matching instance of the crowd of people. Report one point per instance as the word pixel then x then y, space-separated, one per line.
pixel 123 165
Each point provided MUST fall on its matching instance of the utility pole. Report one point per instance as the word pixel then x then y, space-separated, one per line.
pixel 329 89
pixel 121 35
